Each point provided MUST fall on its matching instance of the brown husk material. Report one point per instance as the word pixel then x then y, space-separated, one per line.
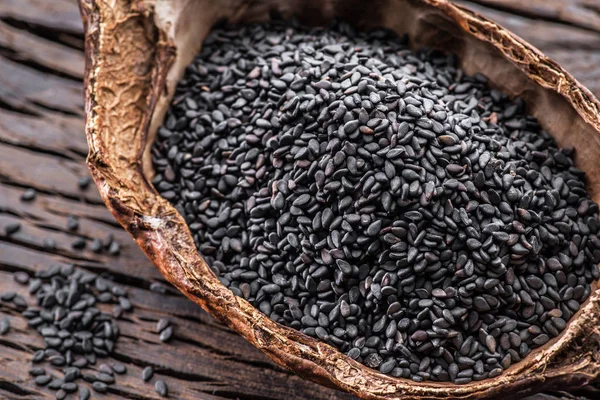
pixel 136 50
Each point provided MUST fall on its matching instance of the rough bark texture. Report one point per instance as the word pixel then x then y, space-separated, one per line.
pixel 42 145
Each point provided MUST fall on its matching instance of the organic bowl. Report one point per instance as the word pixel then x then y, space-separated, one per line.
pixel 137 50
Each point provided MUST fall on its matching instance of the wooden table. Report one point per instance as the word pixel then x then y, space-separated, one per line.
pixel 42 145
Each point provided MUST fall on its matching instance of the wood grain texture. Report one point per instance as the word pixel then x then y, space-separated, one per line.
pixel 42 145
pixel 60 16
pixel 563 29
pixel 577 13
pixel 41 53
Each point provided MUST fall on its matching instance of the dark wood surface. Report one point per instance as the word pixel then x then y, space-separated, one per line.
pixel 42 145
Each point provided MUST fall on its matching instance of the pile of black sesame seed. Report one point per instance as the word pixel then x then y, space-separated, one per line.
pixel 378 199
pixel 76 332
pixel 74 329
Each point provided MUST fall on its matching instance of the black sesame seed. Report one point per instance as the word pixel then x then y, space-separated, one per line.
pixel 21 277
pixel 79 243
pixel 19 301
pixel 166 334
pixel 106 369
pixel 71 374
pixel 100 387
pixel 147 373
pixel 36 371
pixel 96 245
pixel 125 304
pixel 29 194
pixel 114 249
pixel 34 285
pixel 162 324
pixel 158 287
pixel 56 384
pixel 119 368
pixel 8 296
pixel 42 380
pixel 11 228
pixel 4 325
pixel 72 223
pixel 84 182
pixel 84 393
pixel 69 387
pixel 106 378
pixel 49 244
pixel 161 388
pixel 38 356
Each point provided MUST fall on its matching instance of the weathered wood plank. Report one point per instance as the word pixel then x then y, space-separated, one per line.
pixel 48 132
pixel 579 13
pixel 543 34
pixel 33 233
pixel 26 47
pixel 58 15
pixel 572 46
pixel 45 206
pixel 25 88
pixel 46 218
pixel 46 173
pixel 583 65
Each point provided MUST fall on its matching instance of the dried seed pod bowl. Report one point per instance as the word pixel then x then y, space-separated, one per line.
pixel 136 52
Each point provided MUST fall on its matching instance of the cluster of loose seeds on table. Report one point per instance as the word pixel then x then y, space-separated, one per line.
pixel 97 245
pixel 74 329
pixel 378 199
pixel 68 316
